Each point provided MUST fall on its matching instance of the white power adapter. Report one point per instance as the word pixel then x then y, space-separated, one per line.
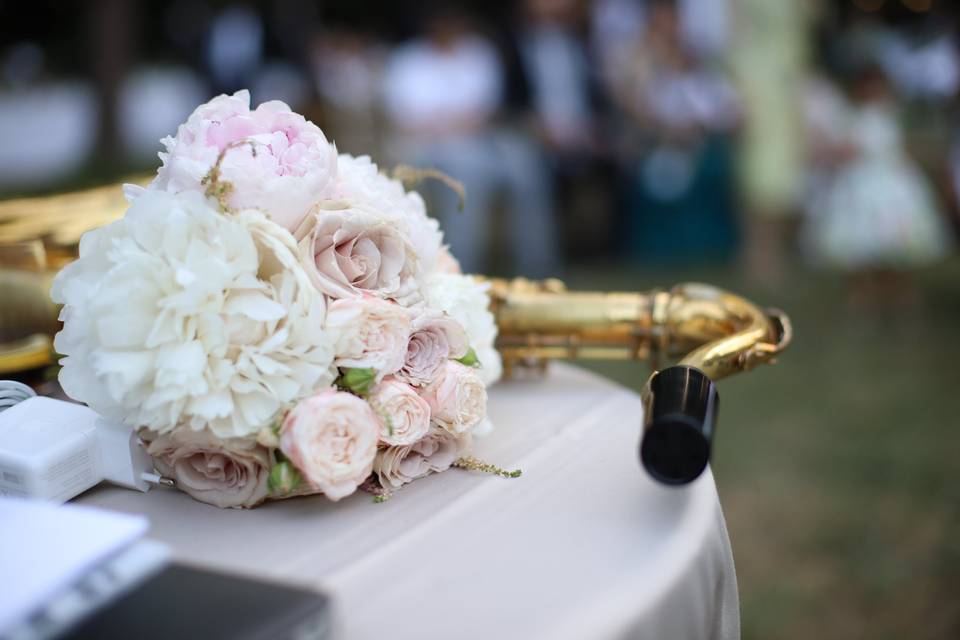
pixel 55 450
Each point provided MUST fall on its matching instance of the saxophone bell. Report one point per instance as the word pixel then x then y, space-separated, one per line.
pixel 679 419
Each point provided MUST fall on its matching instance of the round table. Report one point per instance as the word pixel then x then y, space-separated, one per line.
pixel 583 545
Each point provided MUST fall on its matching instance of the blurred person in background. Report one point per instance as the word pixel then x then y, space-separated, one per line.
pixel 920 57
pixel 284 73
pixel 705 27
pixel 443 92
pixel 680 185
pixel 953 167
pixel 347 66
pixel 158 93
pixel 769 60
pixel 825 112
pixel 616 29
pixel 876 216
pixel 49 126
pixel 556 93
pixel 234 48
pixel 557 74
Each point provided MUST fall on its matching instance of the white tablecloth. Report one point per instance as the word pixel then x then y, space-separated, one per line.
pixel 583 545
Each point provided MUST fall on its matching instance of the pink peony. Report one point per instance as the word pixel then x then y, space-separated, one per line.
pixel 287 169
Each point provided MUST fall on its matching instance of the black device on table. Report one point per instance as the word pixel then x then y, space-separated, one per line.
pixel 182 602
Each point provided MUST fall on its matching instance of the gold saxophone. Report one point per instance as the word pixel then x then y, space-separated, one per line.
pixel 714 334
pixel 711 332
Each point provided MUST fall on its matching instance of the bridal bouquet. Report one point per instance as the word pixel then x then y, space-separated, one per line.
pixel 275 319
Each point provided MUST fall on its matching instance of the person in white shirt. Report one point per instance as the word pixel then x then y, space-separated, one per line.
pixel 558 74
pixel 442 93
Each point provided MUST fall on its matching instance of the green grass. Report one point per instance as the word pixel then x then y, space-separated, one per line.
pixel 838 467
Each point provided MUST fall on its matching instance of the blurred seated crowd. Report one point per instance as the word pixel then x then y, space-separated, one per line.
pixel 662 131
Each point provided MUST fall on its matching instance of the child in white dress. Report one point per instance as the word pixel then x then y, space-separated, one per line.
pixel 875 214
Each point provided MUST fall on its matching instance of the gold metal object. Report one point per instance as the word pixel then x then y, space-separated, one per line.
pixel 22 355
pixel 708 328
pixel 38 236
pixel 59 220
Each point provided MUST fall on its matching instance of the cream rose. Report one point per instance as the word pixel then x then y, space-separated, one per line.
pixel 397 465
pixel 404 415
pixel 331 438
pixel 457 398
pixel 349 250
pixel 226 472
pixel 434 338
pixel 371 333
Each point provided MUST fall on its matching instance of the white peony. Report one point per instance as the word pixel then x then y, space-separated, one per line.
pixel 446 263
pixel 180 315
pixel 466 301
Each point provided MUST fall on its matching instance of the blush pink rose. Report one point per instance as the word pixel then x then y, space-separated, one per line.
pixel 434 338
pixel 288 167
pixel 348 251
pixel 331 438
pixel 361 183
pixel 225 472
pixel 396 466
pixel 371 333
pixel 457 398
pixel 404 415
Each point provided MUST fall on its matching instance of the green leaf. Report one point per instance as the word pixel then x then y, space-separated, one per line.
pixel 358 381
pixel 470 359
pixel 283 479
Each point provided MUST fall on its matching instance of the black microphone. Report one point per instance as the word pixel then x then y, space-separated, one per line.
pixel 679 421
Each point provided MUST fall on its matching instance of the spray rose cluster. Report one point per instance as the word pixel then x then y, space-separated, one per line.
pixel 275 319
